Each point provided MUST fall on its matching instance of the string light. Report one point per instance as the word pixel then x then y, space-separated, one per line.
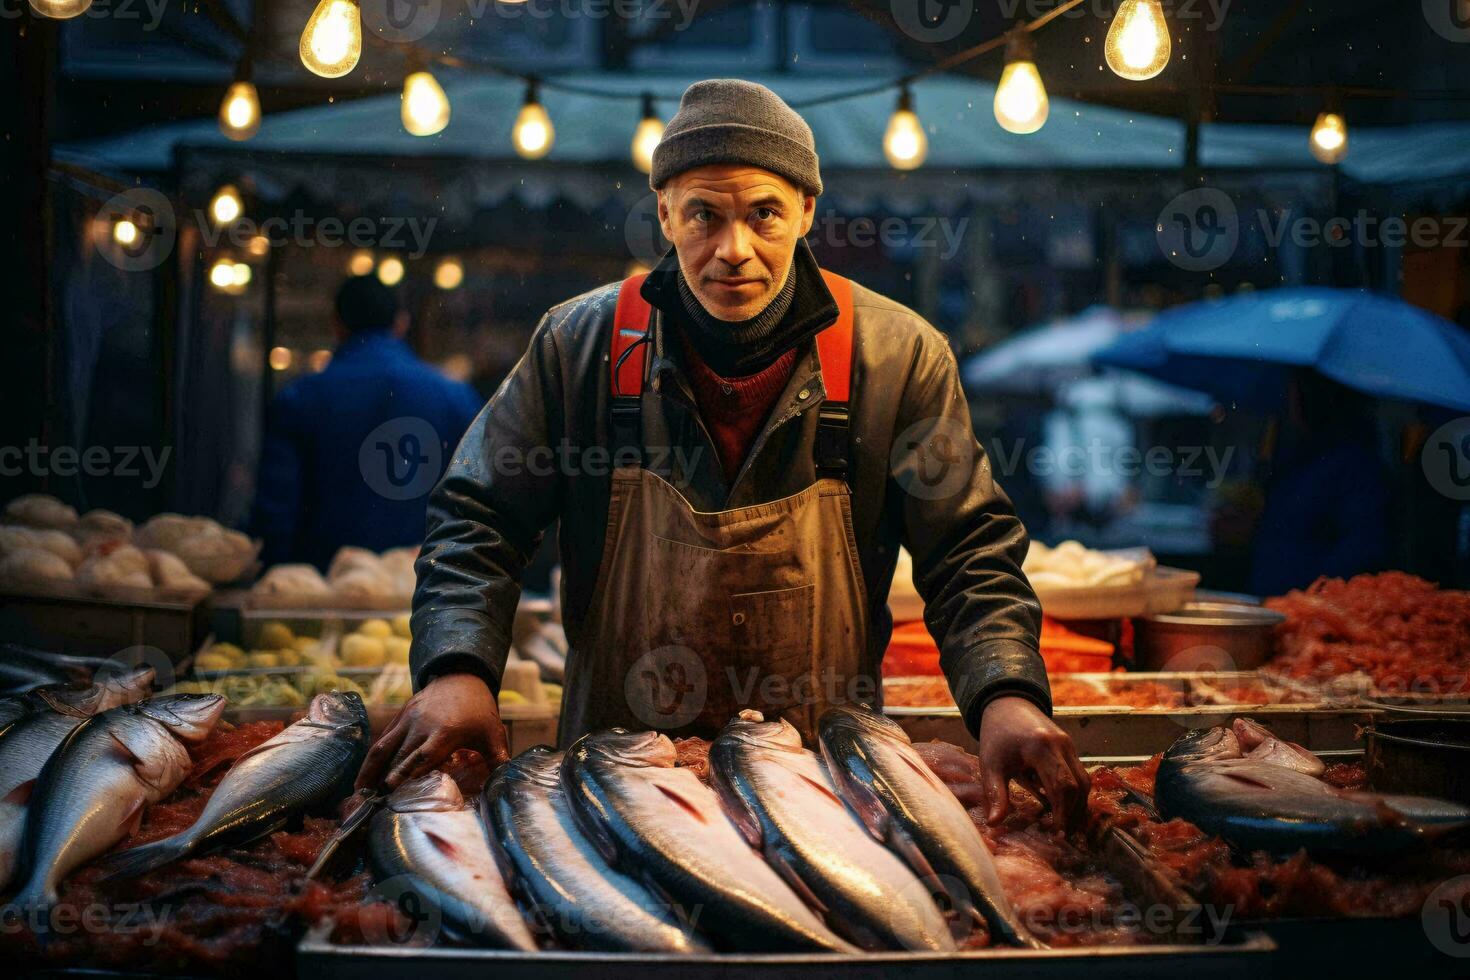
pixel 1020 98
pixel 1329 140
pixel 425 106
pixel 904 144
pixel 239 111
pixel 390 271
pixel 361 263
pixel 319 359
pixel 125 232
pixel 280 358
pixel 533 133
pixel 1137 47
pixel 449 273
pixel 646 137
pixel 229 276
pixel 332 40
pixel 226 206
pixel 61 9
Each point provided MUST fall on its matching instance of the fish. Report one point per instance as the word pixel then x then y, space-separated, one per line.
pixel 1258 792
pixel 308 766
pixel 782 798
pixel 428 836
pixel 92 791
pixel 28 740
pixel 661 824
pixel 908 808
pixel 576 894
pixel 81 699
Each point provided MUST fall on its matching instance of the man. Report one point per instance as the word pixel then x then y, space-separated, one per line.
pixel 743 443
pixel 350 453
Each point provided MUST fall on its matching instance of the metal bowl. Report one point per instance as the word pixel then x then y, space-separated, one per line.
pixel 1218 636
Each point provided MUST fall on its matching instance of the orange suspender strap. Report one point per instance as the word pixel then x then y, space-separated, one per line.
pixel 834 353
pixel 630 330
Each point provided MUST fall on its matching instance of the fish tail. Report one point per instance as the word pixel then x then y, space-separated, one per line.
pixel 141 860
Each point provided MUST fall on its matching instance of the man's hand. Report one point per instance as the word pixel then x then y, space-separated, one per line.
pixel 1018 741
pixel 455 711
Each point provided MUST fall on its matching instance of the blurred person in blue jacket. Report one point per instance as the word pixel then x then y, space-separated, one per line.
pixel 350 454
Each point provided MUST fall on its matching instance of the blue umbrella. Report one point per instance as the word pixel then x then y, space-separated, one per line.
pixel 1243 349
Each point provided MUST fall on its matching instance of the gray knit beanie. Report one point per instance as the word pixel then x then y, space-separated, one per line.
pixel 727 120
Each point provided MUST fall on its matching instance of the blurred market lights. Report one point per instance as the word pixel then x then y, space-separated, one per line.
pixel 239 113
pixel 230 277
pixel 361 263
pixel 280 358
pixel 425 106
pixel 226 206
pixel 318 359
pixel 125 232
pixel 449 273
pixel 1329 138
pixel 259 246
pixel 1021 104
pixel 390 271
pixel 904 143
pixel 533 133
pixel 647 136
pixel 1137 46
pixel 332 41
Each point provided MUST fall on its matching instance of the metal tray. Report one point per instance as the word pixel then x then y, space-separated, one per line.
pixel 317 958
pixel 1123 730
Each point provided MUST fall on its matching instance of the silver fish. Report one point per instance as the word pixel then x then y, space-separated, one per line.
pixel 310 764
pixel 429 836
pixel 660 822
pixel 577 895
pixel 906 806
pixel 93 789
pixel 1259 793
pixel 29 739
pixel 783 800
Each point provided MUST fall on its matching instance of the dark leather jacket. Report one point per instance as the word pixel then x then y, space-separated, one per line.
pixel 540 451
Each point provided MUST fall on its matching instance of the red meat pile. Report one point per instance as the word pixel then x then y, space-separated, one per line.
pixel 1402 632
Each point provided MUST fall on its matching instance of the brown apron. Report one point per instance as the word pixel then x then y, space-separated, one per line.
pixel 698 615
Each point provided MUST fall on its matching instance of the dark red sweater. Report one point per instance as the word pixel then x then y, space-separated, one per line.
pixel 735 409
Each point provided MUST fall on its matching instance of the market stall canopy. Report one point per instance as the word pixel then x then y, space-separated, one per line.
pixel 590 156
pixel 1242 349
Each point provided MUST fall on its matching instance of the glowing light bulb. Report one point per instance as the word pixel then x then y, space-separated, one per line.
pixel 125 232
pixel 239 113
pixel 61 9
pixel 319 359
pixel 240 275
pixel 647 136
pixel 332 40
pixel 533 133
pixel 425 106
pixel 390 271
pixel 1020 98
pixel 226 207
pixel 1138 43
pixel 222 275
pixel 449 274
pixel 361 263
pixel 259 246
pixel 1329 138
pixel 904 144
pixel 280 358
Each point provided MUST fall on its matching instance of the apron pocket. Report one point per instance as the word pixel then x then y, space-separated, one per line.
pixel 771 643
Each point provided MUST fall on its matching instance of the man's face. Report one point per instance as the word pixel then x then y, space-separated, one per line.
pixel 735 229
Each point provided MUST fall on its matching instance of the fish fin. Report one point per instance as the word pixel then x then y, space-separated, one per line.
pixel 21 795
pixel 133 819
pixel 141 860
pixel 782 867
pixel 682 801
pixel 826 791
pixel 123 750
pixel 903 845
pixel 442 845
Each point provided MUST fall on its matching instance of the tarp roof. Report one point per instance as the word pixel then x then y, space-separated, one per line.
pixel 963 135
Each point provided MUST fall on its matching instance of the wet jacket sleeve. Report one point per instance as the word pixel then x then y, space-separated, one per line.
pixel 485 518
pixel 967 544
